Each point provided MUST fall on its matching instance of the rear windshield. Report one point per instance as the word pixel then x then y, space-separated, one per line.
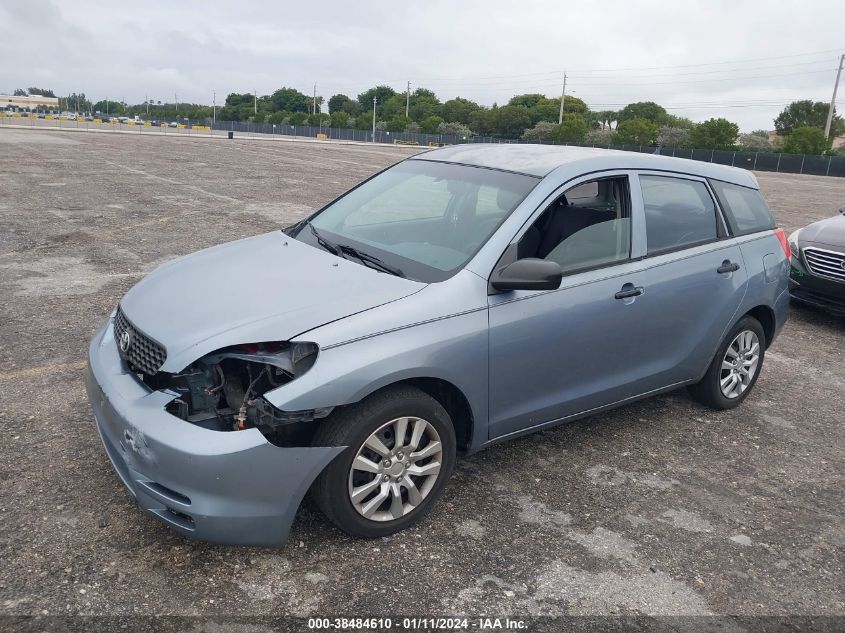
pixel 744 207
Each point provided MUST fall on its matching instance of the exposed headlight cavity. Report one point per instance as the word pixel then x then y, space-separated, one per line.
pixel 223 391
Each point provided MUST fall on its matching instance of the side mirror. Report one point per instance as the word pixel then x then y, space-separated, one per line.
pixel 842 209
pixel 528 274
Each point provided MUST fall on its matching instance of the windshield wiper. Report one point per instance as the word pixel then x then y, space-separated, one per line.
pixel 331 247
pixel 371 260
pixel 341 250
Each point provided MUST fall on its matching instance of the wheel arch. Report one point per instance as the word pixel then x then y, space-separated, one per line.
pixel 766 316
pixel 451 398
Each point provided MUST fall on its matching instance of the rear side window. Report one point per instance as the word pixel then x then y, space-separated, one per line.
pixel 679 213
pixel 744 207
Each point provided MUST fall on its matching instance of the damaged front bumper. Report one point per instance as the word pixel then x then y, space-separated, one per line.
pixel 225 487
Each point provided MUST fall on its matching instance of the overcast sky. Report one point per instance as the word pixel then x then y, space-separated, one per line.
pixel 736 58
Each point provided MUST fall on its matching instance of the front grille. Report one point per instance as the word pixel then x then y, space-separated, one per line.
pixel 142 353
pixel 824 263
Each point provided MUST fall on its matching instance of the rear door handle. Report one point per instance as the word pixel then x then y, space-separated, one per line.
pixel 629 292
pixel 727 267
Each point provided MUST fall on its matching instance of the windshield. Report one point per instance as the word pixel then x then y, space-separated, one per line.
pixel 422 218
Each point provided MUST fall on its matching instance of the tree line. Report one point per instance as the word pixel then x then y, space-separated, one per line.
pixel 530 117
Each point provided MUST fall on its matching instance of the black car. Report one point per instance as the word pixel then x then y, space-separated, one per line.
pixel 817 276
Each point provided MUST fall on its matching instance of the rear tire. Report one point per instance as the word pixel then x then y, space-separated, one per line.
pixel 383 483
pixel 735 368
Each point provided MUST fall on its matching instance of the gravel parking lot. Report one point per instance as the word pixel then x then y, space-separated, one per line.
pixel 661 507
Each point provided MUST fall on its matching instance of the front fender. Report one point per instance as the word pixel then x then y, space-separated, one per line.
pixel 453 349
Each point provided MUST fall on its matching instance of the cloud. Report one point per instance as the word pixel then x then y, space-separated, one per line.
pixel 743 60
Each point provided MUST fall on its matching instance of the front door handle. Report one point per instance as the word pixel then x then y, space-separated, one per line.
pixel 727 267
pixel 630 291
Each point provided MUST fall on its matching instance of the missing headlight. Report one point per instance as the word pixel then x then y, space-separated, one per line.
pixel 223 390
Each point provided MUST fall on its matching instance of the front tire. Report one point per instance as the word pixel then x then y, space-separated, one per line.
pixel 735 367
pixel 401 452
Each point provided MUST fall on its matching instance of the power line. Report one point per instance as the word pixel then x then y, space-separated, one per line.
pixel 634 68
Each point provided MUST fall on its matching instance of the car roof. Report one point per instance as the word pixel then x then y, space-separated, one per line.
pixel 541 160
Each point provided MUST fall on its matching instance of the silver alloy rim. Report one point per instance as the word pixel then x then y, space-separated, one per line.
pixel 395 469
pixel 739 366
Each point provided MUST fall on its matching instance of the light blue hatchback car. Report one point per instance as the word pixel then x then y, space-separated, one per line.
pixel 462 297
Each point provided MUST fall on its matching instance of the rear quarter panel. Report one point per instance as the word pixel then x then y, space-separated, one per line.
pixel 768 275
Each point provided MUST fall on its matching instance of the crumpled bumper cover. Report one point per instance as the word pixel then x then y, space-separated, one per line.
pixel 225 487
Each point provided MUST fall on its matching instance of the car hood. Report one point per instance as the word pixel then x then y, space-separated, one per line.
pixel 266 288
pixel 830 232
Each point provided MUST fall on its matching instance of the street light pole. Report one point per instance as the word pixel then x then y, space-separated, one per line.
pixel 833 99
pixel 255 106
pixel 213 109
pixel 374 119
pixel 562 98
pixel 407 99
pixel 314 103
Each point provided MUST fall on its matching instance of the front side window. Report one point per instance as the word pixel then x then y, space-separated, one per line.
pixel 587 227
pixel 425 218
pixel 679 213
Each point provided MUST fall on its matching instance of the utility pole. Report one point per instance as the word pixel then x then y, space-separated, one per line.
pixel 374 119
pixel 176 99
pixel 147 101
pixel 213 108
pixel 255 105
pixel 314 103
pixel 407 99
pixel 833 99
pixel 562 98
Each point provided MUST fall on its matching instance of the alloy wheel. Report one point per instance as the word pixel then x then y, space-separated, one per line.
pixel 395 469
pixel 739 366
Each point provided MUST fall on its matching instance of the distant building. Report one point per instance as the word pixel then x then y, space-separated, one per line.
pixel 32 102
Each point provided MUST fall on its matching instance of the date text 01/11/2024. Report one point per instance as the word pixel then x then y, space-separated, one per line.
pixel 417 624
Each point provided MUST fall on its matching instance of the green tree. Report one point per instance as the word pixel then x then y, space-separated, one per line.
pixel 19 92
pixel 458 110
pixel 298 118
pixel 41 91
pixel 112 107
pixel 573 129
pixel 571 104
pixel 430 124
pixel 807 113
pixel 423 104
pixel 714 134
pixel 336 103
pixel 381 93
pixel 340 118
pixel 806 140
pixel 289 100
pixel 647 110
pixel 483 121
pixel 398 123
pixel 636 132
pixel 511 121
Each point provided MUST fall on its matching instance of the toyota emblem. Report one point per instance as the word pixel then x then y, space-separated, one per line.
pixel 842 263
pixel 125 340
